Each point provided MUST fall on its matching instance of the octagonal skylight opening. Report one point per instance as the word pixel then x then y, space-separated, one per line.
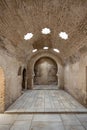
pixel 56 50
pixel 45 47
pixel 63 35
pixel 28 36
pixel 46 31
pixel 34 50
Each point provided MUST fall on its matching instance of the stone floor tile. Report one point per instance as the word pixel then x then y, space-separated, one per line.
pixel 71 122
pixel 38 125
pixel 82 117
pixel 6 119
pixel 24 117
pixel 84 124
pixel 5 127
pixel 69 117
pixel 74 127
pixel 21 125
pixel 47 117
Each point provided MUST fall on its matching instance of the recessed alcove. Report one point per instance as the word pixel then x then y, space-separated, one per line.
pixel 45 70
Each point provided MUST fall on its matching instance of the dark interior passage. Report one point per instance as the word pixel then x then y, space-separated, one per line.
pixel 45 71
pixel 24 79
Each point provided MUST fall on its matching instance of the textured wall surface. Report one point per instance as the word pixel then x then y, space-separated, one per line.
pixel 35 58
pixel 32 16
pixel 19 17
pixel 12 80
pixel 45 71
pixel 75 80
pixel 2 90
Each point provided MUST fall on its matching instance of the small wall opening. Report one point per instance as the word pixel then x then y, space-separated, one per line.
pixel 24 79
pixel 45 70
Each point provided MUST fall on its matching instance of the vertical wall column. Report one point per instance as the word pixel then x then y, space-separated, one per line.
pixel 2 91
pixel 57 79
pixel 86 85
pixel 32 85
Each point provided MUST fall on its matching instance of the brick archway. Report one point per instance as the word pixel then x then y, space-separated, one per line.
pixel 2 90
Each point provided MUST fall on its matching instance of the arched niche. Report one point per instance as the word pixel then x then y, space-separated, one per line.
pixel 45 72
pixel 2 90
pixel 31 63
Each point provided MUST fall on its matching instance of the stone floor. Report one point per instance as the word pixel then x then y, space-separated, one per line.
pixel 36 101
pixel 47 87
pixel 43 121
pixel 44 101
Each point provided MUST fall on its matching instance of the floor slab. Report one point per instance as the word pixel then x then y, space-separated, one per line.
pixel 46 87
pixel 45 101
pixel 43 122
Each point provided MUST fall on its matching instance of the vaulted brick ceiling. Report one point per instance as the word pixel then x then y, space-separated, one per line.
pixel 18 17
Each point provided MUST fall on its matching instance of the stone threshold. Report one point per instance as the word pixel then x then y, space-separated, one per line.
pixel 69 112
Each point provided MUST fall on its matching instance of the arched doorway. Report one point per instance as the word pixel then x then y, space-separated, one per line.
pixel 45 70
pixel 24 79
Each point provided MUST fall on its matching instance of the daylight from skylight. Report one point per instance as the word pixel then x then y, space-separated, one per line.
pixel 63 35
pixel 45 48
pixel 46 31
pixel 34 50
pixel 56 50
pixel 28 36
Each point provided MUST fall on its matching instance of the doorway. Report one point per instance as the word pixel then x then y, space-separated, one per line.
pixel 24 79
pixel 45 71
